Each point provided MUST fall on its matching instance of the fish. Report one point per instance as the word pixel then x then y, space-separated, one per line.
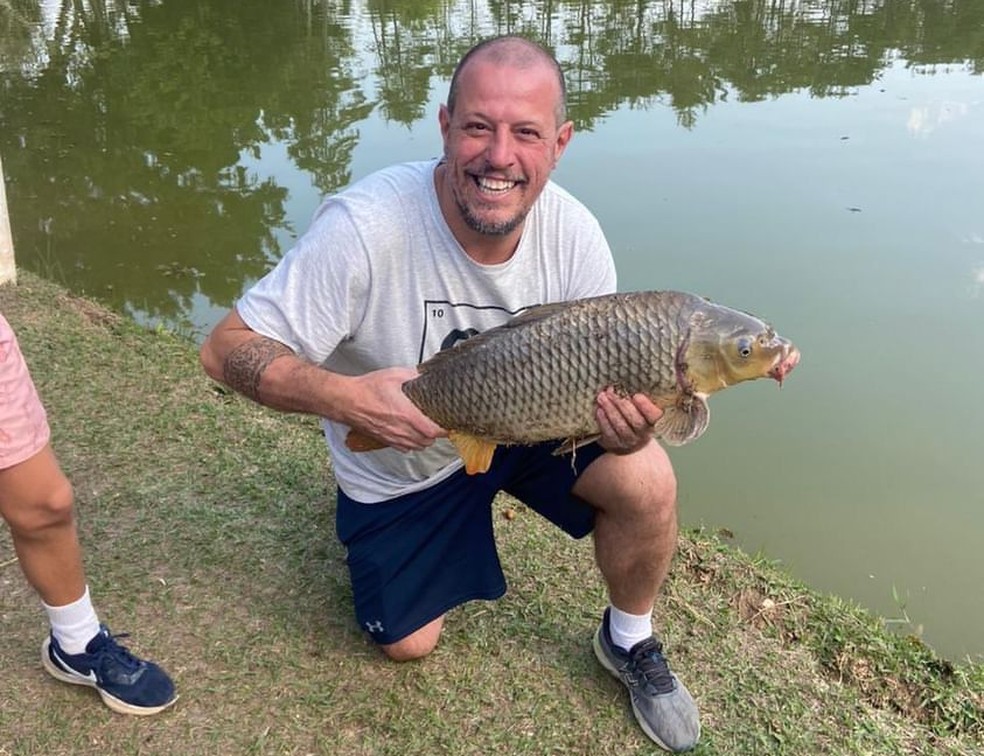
pixel 537 377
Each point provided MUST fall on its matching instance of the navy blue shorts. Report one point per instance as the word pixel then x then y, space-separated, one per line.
pixel 413 558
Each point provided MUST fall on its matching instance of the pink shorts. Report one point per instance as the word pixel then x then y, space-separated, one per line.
pixel 23 423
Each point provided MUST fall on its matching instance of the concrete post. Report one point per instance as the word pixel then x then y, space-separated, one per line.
pixel 8 270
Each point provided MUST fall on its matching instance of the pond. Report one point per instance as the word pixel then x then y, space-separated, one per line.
pixel 818 163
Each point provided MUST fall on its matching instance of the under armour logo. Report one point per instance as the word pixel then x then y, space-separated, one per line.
pixel 375 627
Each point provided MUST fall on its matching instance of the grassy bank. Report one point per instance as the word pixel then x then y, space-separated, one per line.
pixel 209 536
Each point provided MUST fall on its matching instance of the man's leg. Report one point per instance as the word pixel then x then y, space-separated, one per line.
pixel 416 645
pixel 634 496
pixel 635 532
pixel 413 558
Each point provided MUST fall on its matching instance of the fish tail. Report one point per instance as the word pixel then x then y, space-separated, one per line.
pixel 360 442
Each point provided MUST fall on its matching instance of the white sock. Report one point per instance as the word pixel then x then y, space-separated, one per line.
pixel 628 629
pixel 73 625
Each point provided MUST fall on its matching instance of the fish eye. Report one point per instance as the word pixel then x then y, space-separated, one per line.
pixel 744 348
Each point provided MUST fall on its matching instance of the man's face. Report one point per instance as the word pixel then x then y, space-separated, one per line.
pixel 501 143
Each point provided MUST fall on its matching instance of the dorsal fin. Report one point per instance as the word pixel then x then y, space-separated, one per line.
pixel 532 315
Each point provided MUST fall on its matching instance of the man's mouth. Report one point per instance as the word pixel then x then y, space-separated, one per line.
pixel 491 185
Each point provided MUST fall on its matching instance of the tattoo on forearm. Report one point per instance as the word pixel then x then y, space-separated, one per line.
pixel 245 364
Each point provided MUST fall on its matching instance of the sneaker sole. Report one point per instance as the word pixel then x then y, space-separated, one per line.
pixel 613 671
pixel 122 707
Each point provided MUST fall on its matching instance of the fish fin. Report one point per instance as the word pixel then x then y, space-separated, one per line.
pixel 535 313
pixel 571 444
pixel 476 342
pixel 684 421
pixel 476 452
pixel 360 442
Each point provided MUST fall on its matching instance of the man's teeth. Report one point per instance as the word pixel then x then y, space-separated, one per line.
pixel 495 185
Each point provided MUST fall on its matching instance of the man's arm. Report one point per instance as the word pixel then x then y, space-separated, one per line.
pixel 270 373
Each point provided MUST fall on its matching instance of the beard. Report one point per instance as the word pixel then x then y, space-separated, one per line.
pixel 489 227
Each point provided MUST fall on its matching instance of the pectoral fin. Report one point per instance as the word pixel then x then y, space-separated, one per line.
pixel 476 452
pixel 359 442
pixel 684 421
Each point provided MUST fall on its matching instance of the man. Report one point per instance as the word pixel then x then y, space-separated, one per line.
pixel 36 502
pixel 404 263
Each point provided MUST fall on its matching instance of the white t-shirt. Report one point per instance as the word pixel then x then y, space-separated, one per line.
pixel 378 280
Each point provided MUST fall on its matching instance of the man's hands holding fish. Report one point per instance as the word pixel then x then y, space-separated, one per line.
pixel 387 415
pixel 626 423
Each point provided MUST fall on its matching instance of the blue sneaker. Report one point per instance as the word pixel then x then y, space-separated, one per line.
pixel 662 704
pixel 127 684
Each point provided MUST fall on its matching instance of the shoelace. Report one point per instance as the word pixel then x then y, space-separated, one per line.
pixel 650 666
pixel 119 653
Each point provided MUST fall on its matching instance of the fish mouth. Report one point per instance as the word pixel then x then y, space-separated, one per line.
pixel 787 360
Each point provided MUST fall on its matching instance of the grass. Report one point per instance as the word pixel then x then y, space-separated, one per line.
pixel 208 527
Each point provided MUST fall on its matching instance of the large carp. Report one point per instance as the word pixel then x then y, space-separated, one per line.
pixel 537 377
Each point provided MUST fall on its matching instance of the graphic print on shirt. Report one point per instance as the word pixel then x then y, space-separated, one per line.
pixel 447 323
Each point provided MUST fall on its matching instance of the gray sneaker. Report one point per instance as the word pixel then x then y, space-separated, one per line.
pixel 662 704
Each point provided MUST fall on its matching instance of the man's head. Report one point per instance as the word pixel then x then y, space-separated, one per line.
pixel 504 129
pixel 518 52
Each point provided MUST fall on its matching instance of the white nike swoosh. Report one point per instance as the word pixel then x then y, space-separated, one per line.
pixel 90 675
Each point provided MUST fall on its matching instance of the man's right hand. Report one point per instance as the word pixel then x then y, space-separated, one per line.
pixel 373 405
pixel 382 411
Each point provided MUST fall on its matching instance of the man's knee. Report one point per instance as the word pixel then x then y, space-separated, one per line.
pixel 661 478
pixel 643 482
pixel 417 645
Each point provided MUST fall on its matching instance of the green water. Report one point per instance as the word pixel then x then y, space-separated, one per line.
pixel 818 163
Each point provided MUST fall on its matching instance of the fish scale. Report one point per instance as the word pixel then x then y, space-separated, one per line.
pixel 537 377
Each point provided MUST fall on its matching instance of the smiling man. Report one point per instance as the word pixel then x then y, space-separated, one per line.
pixel 501 145
pixel 408 261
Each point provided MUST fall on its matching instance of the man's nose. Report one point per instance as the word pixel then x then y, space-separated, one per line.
pixel 501 148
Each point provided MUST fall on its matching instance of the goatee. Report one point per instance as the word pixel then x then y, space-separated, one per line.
pixel 490 228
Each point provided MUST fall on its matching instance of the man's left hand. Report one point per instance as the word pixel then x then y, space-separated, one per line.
pixel 626 423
